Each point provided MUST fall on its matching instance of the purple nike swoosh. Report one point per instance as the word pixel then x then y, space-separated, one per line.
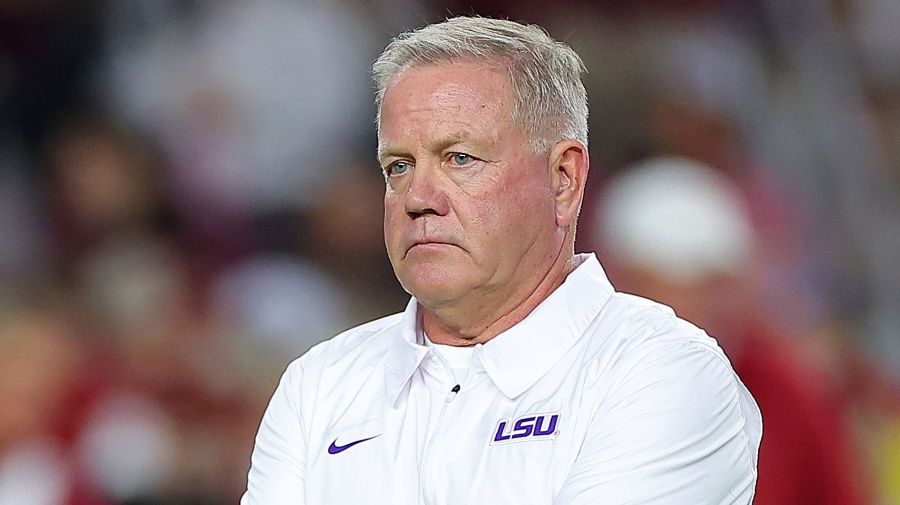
pixel 334 448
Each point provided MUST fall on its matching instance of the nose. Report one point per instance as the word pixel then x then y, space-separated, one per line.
pixel 424 194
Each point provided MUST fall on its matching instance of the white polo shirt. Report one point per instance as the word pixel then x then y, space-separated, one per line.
pixel 596 397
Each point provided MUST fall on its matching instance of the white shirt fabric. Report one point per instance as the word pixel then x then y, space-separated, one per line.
pixel 459 359
pixel 596 397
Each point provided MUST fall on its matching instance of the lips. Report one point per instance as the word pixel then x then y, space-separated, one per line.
pixel 426 244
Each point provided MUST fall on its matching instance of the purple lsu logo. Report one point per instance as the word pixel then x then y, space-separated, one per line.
pixel 530 427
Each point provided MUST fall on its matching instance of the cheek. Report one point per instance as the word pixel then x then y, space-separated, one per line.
pixel 392 203
pixel 390 218
pixel 395 221
pixel 518 206
pixel 504 221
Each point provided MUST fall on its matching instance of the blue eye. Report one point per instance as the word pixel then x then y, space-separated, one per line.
pixel 462 158
pixel 397 167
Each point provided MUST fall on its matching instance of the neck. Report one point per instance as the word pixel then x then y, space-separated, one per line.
pixel 479 322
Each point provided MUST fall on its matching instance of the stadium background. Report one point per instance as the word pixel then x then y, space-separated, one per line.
pixel 189 198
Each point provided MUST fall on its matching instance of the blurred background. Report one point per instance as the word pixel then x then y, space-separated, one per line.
pixel 189 199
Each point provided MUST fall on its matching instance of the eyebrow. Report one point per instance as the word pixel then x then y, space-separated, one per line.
pixel 437 145
pixel 387 151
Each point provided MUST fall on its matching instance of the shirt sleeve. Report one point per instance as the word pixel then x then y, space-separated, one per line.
pixel 278 463
pixel 678 429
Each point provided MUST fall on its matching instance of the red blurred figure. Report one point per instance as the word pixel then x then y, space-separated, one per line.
pixel 43 370
pixel 676 231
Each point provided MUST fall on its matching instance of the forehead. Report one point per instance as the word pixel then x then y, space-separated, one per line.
pixel 466 92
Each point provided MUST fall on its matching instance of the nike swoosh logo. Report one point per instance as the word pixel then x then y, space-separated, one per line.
pixel 334 448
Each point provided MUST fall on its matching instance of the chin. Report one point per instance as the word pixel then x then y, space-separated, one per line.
pixel 432 284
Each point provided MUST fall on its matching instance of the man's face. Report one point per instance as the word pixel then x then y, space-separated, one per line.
pixel 469 209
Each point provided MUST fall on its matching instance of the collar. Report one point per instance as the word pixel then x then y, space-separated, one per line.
pixel 405 353
pixel 518 357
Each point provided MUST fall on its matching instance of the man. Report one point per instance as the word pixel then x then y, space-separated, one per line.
pixel 516 373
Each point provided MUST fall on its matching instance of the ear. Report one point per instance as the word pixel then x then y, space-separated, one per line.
pixel 569 165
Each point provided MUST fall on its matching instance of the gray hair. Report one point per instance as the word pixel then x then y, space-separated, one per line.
pixel 549 99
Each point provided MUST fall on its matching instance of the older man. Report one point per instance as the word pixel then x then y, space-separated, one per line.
pixel 516 374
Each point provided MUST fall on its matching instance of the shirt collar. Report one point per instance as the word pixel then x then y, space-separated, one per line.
pixel 405 353
pixel 518 357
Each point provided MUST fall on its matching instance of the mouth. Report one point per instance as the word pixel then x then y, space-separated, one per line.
pixel 427 245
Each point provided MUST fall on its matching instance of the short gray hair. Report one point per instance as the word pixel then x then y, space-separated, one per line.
pixel 549 99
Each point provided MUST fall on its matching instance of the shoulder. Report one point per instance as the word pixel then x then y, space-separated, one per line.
pixel 667 408
pixel 368 341
pixel 632 330
pixel 671 371
pixel 363 340
pixel 639 351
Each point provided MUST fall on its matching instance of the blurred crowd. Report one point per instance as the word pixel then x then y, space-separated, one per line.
pixel 189 199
